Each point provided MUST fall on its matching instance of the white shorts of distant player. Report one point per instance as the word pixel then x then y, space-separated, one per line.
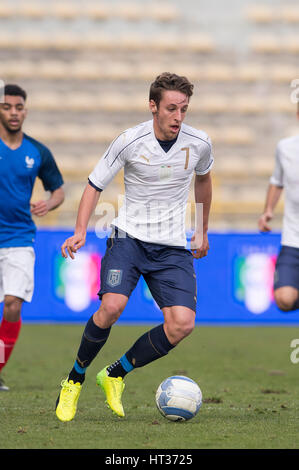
pixel 17 272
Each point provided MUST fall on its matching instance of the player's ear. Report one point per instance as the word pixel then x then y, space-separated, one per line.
pixel 152 106
pixel 26 112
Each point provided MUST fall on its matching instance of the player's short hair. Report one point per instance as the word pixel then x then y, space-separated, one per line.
pixel 15 90
pixel 169 81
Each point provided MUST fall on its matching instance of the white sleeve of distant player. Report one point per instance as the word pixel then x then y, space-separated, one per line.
pixel 277 176
pixel 109 165
pixel 206 159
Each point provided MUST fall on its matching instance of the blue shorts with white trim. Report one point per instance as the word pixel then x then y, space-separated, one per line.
pixel 167 270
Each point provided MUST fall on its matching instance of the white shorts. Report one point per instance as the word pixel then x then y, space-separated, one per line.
pixel 17 272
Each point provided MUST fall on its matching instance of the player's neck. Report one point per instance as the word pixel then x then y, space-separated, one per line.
pixel 13 140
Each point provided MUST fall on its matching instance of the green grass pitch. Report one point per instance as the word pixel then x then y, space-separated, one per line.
pixel 248 381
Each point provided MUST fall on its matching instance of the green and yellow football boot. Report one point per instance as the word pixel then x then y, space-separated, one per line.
pixel 113 388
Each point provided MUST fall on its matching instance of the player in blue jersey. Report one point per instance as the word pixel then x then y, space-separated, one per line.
pixel 22 159
pixel 160 157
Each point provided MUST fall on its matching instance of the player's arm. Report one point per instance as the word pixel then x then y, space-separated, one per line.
pixel 274 191
pixel 272 198
pixel 87 206
pixel 41 208
pixel 203 198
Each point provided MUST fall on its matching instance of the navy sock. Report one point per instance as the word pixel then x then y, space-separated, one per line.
pixel 93 339
pixel 116 370
pixel 149 347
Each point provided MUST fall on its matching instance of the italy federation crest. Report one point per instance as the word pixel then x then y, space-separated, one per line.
pixel 114 277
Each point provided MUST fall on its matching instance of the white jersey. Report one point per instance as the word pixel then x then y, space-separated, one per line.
pixel 286 175
pixel 156 183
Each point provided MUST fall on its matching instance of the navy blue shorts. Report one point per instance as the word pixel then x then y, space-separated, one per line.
pixel 168 271
pixel 287 268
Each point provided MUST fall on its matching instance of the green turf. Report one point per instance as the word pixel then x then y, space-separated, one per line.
pixel 249 385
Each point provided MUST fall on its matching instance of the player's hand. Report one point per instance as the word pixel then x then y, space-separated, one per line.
pixel 39 208
pixel 72 245
pixel 263 222
pixel 199 245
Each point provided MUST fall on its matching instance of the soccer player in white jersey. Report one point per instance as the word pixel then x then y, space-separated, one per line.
pixel 285 176
pixel 159 158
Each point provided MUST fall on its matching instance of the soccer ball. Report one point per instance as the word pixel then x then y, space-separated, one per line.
pixel 178 398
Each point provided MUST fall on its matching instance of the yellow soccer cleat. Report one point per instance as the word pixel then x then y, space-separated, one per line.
pixel 113 388
pixel 66 405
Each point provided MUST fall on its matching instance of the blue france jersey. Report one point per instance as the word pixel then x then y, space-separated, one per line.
pixel 18 170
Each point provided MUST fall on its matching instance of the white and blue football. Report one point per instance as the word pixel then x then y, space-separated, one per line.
pixel 178 398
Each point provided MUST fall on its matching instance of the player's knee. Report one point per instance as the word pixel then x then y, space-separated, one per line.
pixel 284 301
pixel 110 311
pixel 180 329
pixel 12 308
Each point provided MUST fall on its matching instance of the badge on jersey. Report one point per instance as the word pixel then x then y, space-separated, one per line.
pixel 29 162
pixel 165 172
pixel 114 277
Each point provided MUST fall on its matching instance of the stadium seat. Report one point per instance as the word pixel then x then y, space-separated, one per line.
pixel 250 72
pixel 127 10
pixel 266 44
pixel 100 41
pixel 73 133
pixel 233 135
pixel 291 44
pixel 37 39
pixel 65 10
pixel 235 167
pixel 84 101
pixel 225 104
pixel 32 39
pixel 198 43
pixel 210 104
pixel 165 12
pixel 17 70
pixel 64 41
pixel 229 135
pixel 6 9
pixel 117 71
pixel 35 10
pixel 52 70
pixel 216 72
pixel 247 104
pixel 97 11
pixel 290 13
pixel 72 170
pixel 280 104
pixel 260 13
pixel 282 72
pixel 45 101
pixel 8 41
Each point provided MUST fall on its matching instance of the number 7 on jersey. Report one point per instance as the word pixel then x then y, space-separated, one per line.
pixel 187 150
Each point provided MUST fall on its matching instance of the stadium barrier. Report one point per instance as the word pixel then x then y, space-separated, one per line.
pixel 234 282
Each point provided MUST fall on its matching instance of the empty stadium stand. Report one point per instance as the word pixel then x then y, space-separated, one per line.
pixel 87 67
